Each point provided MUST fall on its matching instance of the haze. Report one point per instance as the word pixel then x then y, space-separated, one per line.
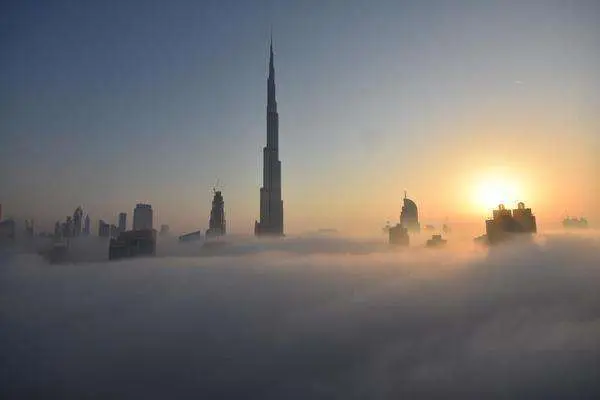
pixel 109 103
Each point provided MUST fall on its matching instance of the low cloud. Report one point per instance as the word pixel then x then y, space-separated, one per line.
pixel 307 318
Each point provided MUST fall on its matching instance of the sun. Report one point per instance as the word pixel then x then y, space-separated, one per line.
pixel 489 192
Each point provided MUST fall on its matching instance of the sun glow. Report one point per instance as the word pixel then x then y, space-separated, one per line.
pixel 492 191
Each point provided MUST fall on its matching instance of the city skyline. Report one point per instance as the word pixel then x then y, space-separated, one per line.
pixel 107 118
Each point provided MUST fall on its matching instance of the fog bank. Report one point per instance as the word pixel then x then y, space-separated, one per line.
pixel 307 318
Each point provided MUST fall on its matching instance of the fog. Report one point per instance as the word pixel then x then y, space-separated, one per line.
pixel 307 318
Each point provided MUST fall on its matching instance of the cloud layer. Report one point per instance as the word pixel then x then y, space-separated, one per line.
pixel 327 318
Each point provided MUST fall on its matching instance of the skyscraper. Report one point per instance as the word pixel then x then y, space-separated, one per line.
pixel 142 217
pixel 122 222
pixel 87 225
pixel 77 221
pixel 271 204
pixel 216 223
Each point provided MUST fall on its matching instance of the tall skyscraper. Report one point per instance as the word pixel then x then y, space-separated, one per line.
pixel 271 204
pixel 77 221
pixel 216 223
pixel 87 225
pixel 122 222
pixel 142 217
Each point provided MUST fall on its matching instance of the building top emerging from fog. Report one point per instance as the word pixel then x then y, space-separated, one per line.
pixel 142 217
pixel 409 217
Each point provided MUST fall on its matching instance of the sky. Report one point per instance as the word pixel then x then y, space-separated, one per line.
pixel 461 103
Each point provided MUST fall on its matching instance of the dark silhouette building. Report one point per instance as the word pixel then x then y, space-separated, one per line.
pixel 436 241
pixel 122 222
pixel 77 221
pixel 133 244
pixel 7 230
pixel 103 229
pixel 87 226
pixel 409 216
pixel 398 235
pixel 216 223
pixel 506 224
pixel 271 204
pixel 142 217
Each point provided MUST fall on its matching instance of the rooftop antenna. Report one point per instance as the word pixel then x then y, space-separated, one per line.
pixel 405 194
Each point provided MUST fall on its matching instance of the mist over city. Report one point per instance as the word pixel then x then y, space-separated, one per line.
pixel 299 200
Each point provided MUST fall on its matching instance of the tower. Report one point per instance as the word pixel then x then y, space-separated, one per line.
pixel 122 222
pixel 216 223
pixel 271 204
pixel 142 217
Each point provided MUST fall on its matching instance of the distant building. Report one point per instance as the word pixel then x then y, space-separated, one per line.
pixel 216 223
pixel 0 212
pixel 103 229
pixel 575 223
pixel 68 227
pixel 87 225
pixel 436 241
pixel 29 233
pixel 77 221
pixel 132 244
pixel 164 230
pixel 142 217
pixel 122 222
pixel 114 231
pixel 505 224
pixel 190 237
pixel 409 217
pixel 57 229
pixel 7 230
pixel 398 235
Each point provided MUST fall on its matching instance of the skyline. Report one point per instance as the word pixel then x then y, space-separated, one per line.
pixel 386 98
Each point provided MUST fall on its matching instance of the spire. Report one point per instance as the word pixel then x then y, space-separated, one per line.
pixel 271 66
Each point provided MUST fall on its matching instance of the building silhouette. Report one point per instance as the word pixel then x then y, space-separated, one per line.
pixel 122 222
pixel 398 235
pixel 506 224
pixel 409 216
pixel 103 229
pixel 164 230
pixel 77 221
pixel 271 204
pixel 142 217
pixel 216 223
pixel 133 243
pixel 87 225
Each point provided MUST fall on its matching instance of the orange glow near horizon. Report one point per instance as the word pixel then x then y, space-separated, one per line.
pixel 492 188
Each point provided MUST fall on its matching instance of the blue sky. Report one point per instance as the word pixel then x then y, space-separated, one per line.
pixel 112 102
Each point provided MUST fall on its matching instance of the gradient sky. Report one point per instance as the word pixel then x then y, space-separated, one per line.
pixel 108 103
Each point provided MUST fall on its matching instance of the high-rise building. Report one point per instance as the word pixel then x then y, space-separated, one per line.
pixel 87 225
pixel 57 229
pixel 164 230
pixel 271 204
pixel 409 216
pixel 0 212
pixel 122 222
pixel 142 217
pixel 77 221
pixel 103 229
pixel 216 223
